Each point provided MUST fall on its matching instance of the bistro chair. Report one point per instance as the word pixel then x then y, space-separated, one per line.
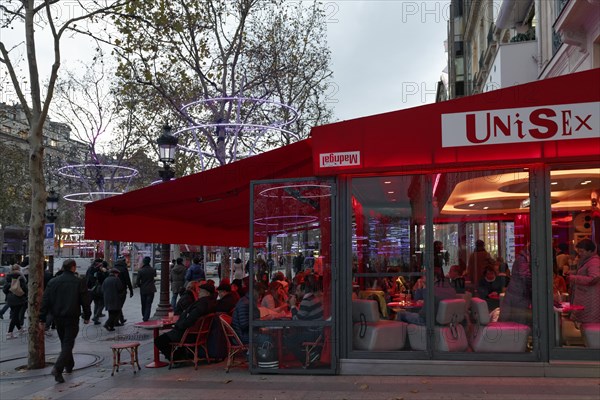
pixel 193 339
pixel 132 349
pixel 234 344
pixel 370 332
pixel 502 337
pixel 449 333
pixel 591 335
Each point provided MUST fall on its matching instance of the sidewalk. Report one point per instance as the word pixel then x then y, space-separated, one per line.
pixel 91 378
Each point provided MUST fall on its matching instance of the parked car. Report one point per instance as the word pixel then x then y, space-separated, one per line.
pixel 211 268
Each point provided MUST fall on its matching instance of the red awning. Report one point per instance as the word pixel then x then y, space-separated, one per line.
pixel 563 113
pixel 208 208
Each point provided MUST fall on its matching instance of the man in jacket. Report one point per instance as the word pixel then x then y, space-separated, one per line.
pixel 196 271
pixel 66 297
pixel 113 291
pixel 145 281
pixel 206 304
pixel 121 265
pixel 95 275
pixel 177 278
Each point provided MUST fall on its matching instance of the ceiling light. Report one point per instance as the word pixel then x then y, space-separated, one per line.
pixel 387 182
pixel 391 192
pixel 485 208
pixel 472 205
pixel 586 182
pixel 554 183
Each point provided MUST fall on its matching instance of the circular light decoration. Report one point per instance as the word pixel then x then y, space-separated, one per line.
pixel 300 191
pixel 247 121
pixel 285 220
pixel 88 197
pixel 98 181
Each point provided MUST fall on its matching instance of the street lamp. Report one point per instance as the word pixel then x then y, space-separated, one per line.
pixel 167 145
pixel 51 215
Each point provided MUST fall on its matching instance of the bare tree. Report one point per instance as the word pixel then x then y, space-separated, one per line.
pixel 33 16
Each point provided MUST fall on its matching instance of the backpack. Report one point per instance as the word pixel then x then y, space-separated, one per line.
pixel 15 287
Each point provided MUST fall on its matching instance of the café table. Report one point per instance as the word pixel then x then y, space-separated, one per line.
pixel 156 325
pixel 276 331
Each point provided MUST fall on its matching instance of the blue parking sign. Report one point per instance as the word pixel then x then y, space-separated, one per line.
pixel 49 231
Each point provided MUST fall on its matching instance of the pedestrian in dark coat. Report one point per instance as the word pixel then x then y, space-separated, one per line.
pixel 15 302
pixel 177 279
pixel 114 291
pixel 66 297
pixel 121 265
pixel 145 281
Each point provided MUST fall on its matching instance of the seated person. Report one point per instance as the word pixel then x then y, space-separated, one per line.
pixel 227 299
pixel 489 289
pixel 240 321
pixel 440 292
pixel 309 309
pixel 188 297
pixel 275 299
pixel 205 305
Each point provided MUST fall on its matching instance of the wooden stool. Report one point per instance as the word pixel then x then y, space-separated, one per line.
pixel 132 348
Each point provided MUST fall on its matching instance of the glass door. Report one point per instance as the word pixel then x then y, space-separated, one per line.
pixel 290 277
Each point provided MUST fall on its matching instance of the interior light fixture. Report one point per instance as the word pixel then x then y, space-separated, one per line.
pixel 472 205
pixel 387 182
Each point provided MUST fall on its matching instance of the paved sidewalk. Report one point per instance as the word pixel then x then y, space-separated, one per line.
pixel 92 380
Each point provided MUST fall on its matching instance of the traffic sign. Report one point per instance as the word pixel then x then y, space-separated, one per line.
pixel 49 231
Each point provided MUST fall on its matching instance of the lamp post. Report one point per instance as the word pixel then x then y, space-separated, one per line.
pixel 51 215
pixel 167 145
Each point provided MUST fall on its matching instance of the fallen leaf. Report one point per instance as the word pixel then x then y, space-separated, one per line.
pixel 263 378
pixel 182 379
pixel 364 386
pixel 414 391
pixel 228 381
pixel 75 384
pixel 424 382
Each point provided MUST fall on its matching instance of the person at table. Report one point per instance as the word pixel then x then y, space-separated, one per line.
pixel 240 321
pixel 489 289
pixel 309 309
pixel 559 286
pixel 275 299
pixel 585 283
pixel 188 297
pixel 206 304
pixel 563 259
pixel 226 298
pixel 441 291
pixel 113 291
pixel 517 300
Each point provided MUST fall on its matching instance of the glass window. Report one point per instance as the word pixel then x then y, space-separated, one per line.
pixel 292 269
pixel 470 259
pixel 576 266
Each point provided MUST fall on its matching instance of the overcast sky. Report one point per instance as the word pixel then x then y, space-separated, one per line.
pixel 386 55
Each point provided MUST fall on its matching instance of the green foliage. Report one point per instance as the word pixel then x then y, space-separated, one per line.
pixel 15 183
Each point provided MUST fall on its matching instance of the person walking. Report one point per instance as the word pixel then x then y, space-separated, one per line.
pixel 95 275
pixel 121 266
pixel 114 291
pixel 196 271
pixel 67 298
pixel 15 289
pixel 177 278
pixel 585 283
pixel 145 281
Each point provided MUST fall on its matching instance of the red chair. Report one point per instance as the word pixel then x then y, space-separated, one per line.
pixel 234 344
pixel 193 338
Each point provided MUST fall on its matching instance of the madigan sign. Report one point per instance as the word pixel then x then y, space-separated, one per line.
pixel 518 125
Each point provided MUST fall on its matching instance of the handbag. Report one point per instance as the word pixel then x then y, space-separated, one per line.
pixel 15 287
pixel 266 355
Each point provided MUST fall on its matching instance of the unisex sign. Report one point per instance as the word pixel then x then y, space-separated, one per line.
pixel 518 125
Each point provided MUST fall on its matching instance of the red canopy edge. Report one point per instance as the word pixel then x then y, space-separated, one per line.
pixel 412 138
pixel 207 208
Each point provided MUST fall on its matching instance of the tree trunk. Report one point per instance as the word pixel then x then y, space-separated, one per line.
pixel 36 343
pixel 225 263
